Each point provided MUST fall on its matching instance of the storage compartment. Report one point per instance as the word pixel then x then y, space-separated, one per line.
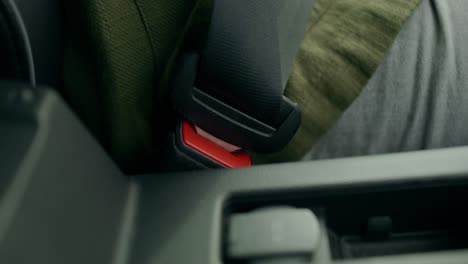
pixel 367 222
pixel 398 222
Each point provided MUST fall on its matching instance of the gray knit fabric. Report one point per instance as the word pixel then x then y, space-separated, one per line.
pixel 417 99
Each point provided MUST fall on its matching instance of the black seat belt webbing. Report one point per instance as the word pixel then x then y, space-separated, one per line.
pixel 237 82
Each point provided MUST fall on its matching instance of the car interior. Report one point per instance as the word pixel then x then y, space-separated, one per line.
pixel 89 175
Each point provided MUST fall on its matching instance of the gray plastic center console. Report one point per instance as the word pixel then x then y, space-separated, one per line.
pixel 401 208
pixel 62 200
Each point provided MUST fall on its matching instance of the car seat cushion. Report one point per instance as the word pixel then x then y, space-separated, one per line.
pixel 119 55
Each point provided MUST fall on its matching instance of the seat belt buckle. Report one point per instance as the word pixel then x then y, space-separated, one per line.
pixel 226 122
pixel 200 145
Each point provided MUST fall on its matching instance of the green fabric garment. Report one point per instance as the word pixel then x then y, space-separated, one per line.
pixel 345 42
pixel 119 58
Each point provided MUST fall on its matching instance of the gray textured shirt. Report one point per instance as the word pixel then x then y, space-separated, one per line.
pixel 418 98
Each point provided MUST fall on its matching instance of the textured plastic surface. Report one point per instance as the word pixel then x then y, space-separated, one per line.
pixel 65 200
pixel 200 197
pixel 68 203
pixel 273 233
pixel 15 137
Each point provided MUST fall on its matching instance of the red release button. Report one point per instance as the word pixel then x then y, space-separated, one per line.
pixel 213 151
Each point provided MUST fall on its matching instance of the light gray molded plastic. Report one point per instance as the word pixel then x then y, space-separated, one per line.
pixel 272 233
pixel 191 232
pixel 65 199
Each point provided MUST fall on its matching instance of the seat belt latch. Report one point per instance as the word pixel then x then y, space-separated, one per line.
pixel 225 154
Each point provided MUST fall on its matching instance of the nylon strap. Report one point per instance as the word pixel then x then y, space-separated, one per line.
pixel 249 54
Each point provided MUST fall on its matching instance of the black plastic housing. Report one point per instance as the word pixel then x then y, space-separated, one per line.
pixel 226 122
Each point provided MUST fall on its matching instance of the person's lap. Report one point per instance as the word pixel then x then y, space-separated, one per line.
pixel 418 97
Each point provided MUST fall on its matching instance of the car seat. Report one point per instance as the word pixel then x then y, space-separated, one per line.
pixel 63 200
pixel 129 63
